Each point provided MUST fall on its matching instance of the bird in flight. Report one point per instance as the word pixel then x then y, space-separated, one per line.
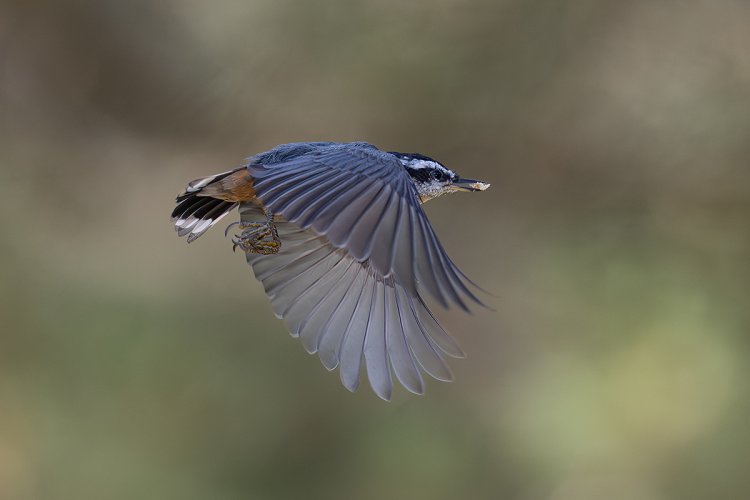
pixel 337 235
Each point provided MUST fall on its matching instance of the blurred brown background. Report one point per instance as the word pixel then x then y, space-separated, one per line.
pixel 616 238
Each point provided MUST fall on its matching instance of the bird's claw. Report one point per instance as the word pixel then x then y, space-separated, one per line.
pixel 257 237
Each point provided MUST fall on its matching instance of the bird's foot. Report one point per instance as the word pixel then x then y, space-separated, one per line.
pixel 257 237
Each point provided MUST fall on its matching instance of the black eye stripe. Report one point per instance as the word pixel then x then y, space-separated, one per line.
pixel 419 174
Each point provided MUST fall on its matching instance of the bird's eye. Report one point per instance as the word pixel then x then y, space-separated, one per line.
pixel 437 175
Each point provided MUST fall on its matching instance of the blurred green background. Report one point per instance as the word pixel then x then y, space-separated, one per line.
pixel 616 136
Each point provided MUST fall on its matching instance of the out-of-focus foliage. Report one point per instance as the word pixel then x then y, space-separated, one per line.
pixel 615 237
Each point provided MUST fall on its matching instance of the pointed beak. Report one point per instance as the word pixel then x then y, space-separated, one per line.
pixel 470 184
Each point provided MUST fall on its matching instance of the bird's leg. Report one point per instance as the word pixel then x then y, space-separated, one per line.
pixel 258 237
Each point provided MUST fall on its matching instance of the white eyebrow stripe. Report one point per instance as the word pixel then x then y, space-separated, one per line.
pixel 419 164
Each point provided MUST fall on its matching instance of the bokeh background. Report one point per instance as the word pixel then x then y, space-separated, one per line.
pixel 615 237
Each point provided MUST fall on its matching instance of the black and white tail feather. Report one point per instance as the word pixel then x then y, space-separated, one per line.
pixel 195 214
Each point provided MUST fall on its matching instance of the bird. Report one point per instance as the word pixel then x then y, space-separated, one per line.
pixel 337 235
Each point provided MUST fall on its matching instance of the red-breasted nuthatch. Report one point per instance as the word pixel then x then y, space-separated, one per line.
pixel 337 235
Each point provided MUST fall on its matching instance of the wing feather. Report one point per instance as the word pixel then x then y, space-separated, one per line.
pixel 375 349
pixel 290 192
pixel 422 261
pixel 385 233
pixel 325 215
pixel 301 204
pixel 428 357
pixel 363 231
pixel 433 258
pixel 311 329
pixel 353 341
pixel 399 353
pixel 337 324
pixel 314 292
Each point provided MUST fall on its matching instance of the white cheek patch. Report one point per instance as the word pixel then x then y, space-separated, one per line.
pixel 433 189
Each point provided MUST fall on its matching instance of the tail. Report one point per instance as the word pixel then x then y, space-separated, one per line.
pixel 197 211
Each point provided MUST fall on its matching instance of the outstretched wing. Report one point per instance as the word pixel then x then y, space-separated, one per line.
pixel 345 310
pixel 357 253
pixel 362 200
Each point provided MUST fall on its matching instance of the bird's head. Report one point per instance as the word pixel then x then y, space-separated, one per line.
pixel 432 179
